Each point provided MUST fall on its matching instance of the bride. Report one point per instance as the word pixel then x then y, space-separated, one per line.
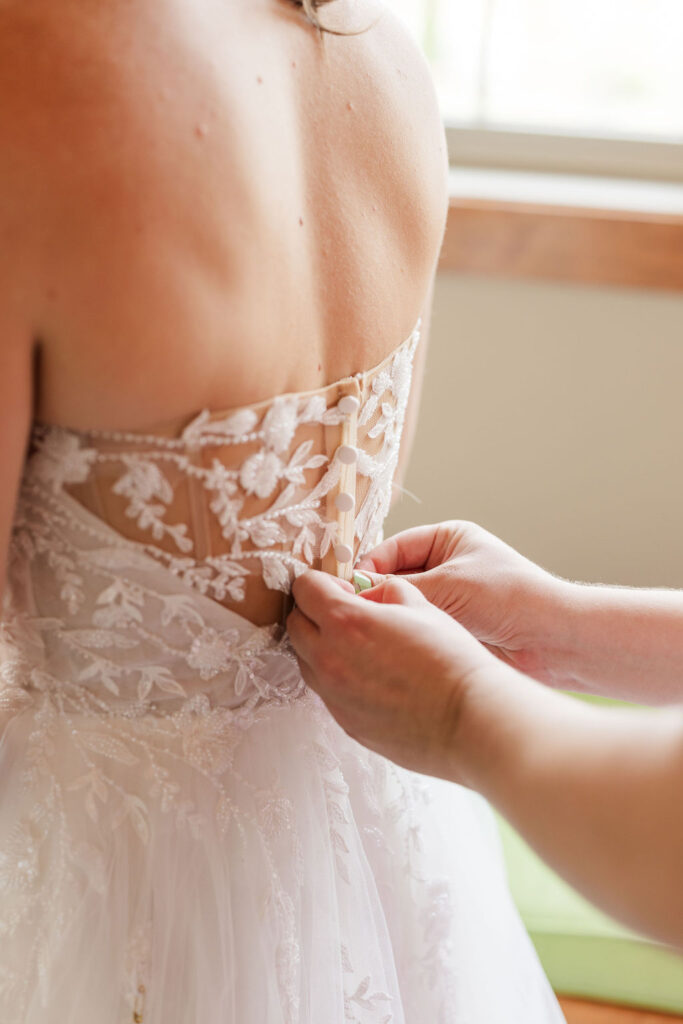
pixel 208 213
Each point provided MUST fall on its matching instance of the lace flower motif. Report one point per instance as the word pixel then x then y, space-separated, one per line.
pixel 401 372
pixel 211 652
pixel 59 459
pixel 280 423
pixel 260 473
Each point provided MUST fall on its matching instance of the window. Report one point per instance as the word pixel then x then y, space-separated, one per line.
pixel 601 79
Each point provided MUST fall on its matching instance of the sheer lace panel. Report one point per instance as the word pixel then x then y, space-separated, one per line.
pixel 243 501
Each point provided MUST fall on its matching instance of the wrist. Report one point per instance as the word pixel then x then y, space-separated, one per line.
pixel 507 734
pixel 484 735
pixel 621 642
pixel 561 619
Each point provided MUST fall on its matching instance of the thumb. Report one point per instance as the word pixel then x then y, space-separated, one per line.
pixel 404 552
pixel 395 590
pixel 429 584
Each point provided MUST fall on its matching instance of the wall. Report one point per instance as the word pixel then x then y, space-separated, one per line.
pixel 553 415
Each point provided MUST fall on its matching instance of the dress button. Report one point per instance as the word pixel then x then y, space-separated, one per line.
pixel 343 553
pixel 348 404
pixel 345 502
pixel 347 454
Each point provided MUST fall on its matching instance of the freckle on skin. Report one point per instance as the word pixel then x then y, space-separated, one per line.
pixel 201 130
pixel 349 106
pixel 319 367
pixel 293 63
pixel 301 221
pixel 259 80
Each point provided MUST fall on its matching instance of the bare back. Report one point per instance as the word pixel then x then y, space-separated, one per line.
pixel 217 206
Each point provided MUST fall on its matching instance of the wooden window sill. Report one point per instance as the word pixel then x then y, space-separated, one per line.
pixel 557 228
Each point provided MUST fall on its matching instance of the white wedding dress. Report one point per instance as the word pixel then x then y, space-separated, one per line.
pixel 186 836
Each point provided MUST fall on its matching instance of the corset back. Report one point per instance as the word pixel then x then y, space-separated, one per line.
pixel 242 501
pixel 147 569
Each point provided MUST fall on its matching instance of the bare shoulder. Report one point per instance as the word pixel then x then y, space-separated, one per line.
pixel 18 169
pixel 27 83
pixel 388 39
pixel 398 45
pixel 26 45
pixel 399 141
pixel 408 126
pixel 390 62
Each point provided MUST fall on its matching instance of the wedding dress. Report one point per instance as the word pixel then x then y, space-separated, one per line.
pixel 186 836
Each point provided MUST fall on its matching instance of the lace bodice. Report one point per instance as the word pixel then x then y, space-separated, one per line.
pixel 242 501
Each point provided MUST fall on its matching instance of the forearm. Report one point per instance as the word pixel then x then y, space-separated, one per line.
pixel 618 642
pixel 596 791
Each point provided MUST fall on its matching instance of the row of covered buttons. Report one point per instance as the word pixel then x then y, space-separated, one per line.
pixel 345 500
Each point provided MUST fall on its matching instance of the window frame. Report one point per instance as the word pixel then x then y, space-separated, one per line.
pixel 494 146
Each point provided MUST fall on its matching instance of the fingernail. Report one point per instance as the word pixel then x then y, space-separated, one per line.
pixel 361 582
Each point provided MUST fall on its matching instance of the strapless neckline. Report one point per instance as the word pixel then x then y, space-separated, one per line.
pixel 202 420
pixel 240 501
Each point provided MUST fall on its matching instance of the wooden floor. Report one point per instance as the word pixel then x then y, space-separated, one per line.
pixel 578 1012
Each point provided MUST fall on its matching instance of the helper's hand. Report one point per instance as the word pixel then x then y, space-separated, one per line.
pixel 515 608
pixel 592 789
pixel 393 672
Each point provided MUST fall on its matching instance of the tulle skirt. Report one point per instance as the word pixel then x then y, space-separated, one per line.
pixel 269 874
pixel 187 836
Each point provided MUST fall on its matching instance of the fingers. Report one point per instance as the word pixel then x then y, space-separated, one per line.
pixel 408 550
pixel 375 577
pixel 315 592
pixel 395 591
pixel 304 635
pixel 426 583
